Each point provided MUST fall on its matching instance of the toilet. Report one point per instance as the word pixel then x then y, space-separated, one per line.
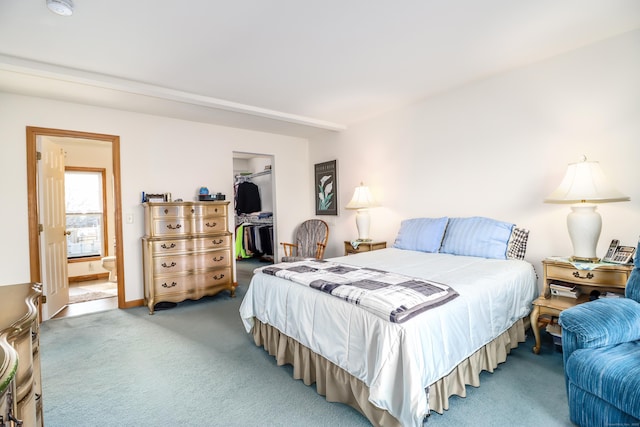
pixel 109 264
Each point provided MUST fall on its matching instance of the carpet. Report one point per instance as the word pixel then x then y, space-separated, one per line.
pixel 194 365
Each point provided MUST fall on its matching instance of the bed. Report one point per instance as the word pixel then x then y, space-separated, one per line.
pixel 394 373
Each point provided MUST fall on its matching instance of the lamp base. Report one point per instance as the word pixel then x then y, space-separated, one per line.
pixel 584 225
pixel 362 223
pixel 582 259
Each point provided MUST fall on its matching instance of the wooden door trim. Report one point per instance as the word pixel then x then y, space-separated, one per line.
pixel 32 200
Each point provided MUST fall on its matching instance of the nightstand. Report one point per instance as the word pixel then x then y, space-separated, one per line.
pixel 603 278
pixel 363 247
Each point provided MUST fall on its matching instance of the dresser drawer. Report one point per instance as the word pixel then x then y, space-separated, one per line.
pixel 195 261
pixel 162 247
pixel 210 210
pixel 172 227
pixel 587 277
pixel 171 211
pixel 209 225
pixel 186 284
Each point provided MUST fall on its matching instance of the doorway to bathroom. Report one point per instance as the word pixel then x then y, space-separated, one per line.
pixel 52 233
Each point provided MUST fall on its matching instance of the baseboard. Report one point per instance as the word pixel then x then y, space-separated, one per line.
pixel 98 276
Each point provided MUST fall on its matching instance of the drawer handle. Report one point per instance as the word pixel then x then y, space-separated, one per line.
pixel 164 264
pixel 217 242
pixel 171 227
pixel 211 224
pixel 193 210
pixel 171 246
pixel 166 211
pixel 218 277
pixel 215 258
pixel 164 285
pixel 577 275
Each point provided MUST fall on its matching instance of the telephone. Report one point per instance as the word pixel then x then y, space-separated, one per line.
pixel 619 254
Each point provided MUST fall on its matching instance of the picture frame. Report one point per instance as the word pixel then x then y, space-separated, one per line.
pixel 326 188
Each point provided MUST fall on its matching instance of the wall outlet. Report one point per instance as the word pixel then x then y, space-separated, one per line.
pixel 129 218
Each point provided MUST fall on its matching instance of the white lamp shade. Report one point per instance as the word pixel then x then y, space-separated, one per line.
pixel 362 198
pixel 585 182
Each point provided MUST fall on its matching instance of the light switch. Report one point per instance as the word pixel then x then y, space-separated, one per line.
pixel 129 218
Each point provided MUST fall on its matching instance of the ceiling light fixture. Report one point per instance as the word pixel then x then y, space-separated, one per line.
pixel 61 7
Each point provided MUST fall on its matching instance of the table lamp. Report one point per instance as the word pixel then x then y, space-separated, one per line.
pixel 584 185
pixel 362 201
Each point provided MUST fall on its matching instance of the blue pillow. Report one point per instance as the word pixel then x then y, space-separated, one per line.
pixel 421 234
pixel 477 236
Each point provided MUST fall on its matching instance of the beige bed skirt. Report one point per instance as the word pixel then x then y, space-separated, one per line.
pixel 339 386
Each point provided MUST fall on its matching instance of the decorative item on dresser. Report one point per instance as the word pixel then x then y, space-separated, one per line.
pixel 583 281
pixel 186 251
pixel 20 378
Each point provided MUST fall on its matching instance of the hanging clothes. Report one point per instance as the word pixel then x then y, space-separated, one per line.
pixel 247 198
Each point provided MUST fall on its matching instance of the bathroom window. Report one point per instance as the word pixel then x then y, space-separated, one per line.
pixel 84 190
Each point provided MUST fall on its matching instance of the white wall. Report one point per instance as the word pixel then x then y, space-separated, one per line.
pixel 497 147
pixel 157 154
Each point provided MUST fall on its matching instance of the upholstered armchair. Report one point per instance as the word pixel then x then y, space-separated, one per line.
pixel 601 352
pixel 310 241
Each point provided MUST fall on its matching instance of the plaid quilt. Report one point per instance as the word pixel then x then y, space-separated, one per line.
pixel 391 296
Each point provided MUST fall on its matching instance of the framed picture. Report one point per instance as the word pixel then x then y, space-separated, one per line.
pixel 326 188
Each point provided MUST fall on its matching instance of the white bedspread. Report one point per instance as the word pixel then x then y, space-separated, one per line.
pixel 399 361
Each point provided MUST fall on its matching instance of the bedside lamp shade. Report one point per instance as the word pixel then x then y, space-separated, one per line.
pixel 361 201
pixel 584 185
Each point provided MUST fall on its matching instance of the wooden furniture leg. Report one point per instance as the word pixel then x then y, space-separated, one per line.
pixel 535 313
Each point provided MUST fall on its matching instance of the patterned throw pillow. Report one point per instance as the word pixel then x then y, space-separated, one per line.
pixel 517 248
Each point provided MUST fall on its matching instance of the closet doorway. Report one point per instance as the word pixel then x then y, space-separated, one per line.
pixel 254 209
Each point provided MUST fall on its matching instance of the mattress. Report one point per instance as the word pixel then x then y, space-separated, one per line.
pixel 398 362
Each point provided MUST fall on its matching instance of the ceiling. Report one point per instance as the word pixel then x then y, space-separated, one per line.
pixel 285 66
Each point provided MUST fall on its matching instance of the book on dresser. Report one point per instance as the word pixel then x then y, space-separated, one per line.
pixel 186 251
pixel 564 290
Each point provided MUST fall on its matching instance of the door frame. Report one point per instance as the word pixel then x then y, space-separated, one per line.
pixel 32 178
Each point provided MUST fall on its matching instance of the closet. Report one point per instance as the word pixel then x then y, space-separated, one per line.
pixel 253 207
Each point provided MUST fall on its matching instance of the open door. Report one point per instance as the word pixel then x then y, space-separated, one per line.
pixel 52 220
pixel 42 264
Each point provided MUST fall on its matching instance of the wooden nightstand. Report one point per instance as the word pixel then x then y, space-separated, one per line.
pixel 603 278
pixel 363 247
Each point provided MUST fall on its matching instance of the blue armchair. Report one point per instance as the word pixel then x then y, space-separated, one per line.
pixel 601 352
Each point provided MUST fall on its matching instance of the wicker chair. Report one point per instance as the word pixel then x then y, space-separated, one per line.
pixel 310 241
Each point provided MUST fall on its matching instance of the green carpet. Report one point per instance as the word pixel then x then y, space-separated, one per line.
pixel 194 365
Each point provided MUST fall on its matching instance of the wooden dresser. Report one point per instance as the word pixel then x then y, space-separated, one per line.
pixel 187 251
pixel 20 377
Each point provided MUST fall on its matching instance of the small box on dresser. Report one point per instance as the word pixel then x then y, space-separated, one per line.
pixel 187 251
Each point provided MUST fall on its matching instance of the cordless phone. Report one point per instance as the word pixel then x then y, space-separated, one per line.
pixel 619 254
